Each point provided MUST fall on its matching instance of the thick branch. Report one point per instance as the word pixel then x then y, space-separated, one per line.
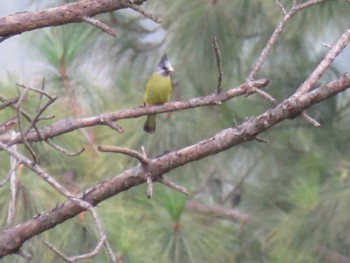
pixel 69 125
pixel 64 14
pixel 12 239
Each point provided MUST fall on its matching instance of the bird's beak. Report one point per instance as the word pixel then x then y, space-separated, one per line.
pixel 170 69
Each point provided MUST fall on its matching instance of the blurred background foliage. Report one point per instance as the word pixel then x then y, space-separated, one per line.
pixel 295 189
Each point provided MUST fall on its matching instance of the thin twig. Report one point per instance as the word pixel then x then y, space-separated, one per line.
pixel 125 151
pixel 8 102
pixel 13 169
pixel 258 139
pixel 310 120
pixel 218 62
pixel 13 189
pixel 8 125
pixel 276 33
pixel 42 92
pixel 36 169
pixel 45 118
pixel 100 25
pixel 22 253
pixel 149 187
pixel 201 186
pixel 113 126
pixel 18 112
pixel 144 13
pixel 244 177
pixel 262 94
pixel 62 150
pixel 327 45
pixel 36 118
pixel 333 52
pixel 280 6
pixel 50 180
pixel 13 106
pixel 174 186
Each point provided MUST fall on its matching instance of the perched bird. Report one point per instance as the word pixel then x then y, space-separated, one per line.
pixel 158 89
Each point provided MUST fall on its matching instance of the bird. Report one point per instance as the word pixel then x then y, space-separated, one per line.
pixel 158 90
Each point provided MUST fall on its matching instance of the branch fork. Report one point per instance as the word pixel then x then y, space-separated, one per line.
pixel 146 164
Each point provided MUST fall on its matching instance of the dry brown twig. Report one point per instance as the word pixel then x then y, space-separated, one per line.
pixel 64 151
pixel 13 170
pixel 13 189
pixel 174 186
pixel 142 158
pixel 7 102
pixel 276 33
pixel 112 125
pixel 131 4
pixel 62 190
pixel 280 6
pixel 102 237
pixel 218 62
pixel 20 128
pixel 97 23
pixel 8 125
pixel 328 59
pixel 135 154
pixel 20 22
pixel 273 39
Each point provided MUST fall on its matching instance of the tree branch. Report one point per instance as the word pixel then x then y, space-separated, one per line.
pixel 69 13
pixel 72 124
pixel 12 239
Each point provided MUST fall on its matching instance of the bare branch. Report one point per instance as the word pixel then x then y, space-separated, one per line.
pixel 276 33
pixel 113 126
pixel 100 25
pixel 19 122
pixel 102 237
pixel 280 6
pixel 71 124
pixel 13 190
pixel 327 45
pixel 218 62
pixel 173 185
pixel 125 151
pixel 42 92
pixel 262 94
pixel 8 102
pixel 138 9
pixel 69 13
pixel 8 125
pixel 310 120
pixel 13 170
pixel 149 187
pixel 22 253
pixel 62 150
pixel 333 52
pixel 36 169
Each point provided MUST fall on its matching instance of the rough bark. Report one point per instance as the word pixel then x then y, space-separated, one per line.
pixel 69 13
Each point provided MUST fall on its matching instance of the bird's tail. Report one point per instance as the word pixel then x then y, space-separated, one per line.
pixel 150 124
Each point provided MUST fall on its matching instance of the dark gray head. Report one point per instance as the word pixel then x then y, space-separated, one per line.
pixel 164 67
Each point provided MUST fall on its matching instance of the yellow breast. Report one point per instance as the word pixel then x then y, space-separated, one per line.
pixel 157 89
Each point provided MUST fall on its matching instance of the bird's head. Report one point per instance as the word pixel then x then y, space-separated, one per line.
pixel 164 67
